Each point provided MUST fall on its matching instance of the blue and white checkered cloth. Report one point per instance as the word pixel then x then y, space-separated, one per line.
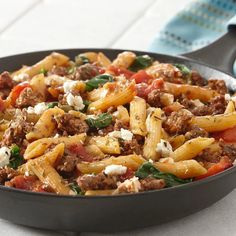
pixel 197 25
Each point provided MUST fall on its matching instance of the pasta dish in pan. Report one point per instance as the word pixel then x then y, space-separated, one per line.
pixel 93 126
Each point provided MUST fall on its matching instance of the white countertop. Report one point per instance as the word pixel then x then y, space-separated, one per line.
pixel 28 25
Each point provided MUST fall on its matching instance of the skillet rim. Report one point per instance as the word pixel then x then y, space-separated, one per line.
pixel 83 197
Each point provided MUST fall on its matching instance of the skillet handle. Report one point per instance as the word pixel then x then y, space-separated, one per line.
pixel 221 54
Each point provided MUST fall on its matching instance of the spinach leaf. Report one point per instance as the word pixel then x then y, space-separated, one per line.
pixel 141 62
pixel 43 71
pixel 147 169
pixel 184 69
pixel 15 159
pixel 86 103
pixel 98 80
pixel 75 188
pixel 102 121
pixel 52 104
pixel 81 59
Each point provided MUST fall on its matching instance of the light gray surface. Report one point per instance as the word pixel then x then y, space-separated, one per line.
pixel 27 25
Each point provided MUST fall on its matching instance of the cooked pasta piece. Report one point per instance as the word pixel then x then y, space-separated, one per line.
pixel 94 150
pixel 47 63
pixel 230 107
pixel 192 92
pixel 191 148
pixel 107 144
pixel 153 124
pixel 103 60
pixel 99 192
pixel 45 125
pixel 132 161
pixel 177 141
pixel 119 98
pixel 215 123
pixel 48 175
pixel 38 85
pixel 182 169
pixel 122 114
pixel 38 147
pixel 124 59
pixel 138 116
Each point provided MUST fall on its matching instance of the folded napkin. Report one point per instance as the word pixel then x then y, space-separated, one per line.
pixel 197 25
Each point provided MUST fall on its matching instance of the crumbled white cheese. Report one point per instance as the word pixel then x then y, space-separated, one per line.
pixel 115 170
pixel 126 134
pixel 91 116
pixel 56 135
pixel 69 85
pixel 164 148
pixel 38 109
pixel 75 101
pixel 27 173
pixel 21 77
pixel 227 97
pixel 123 133
pixel 131 185
pixel 150 160
pixel 103 94
pixel 5 154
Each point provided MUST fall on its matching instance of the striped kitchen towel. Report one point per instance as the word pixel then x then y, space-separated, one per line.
pixel 197 25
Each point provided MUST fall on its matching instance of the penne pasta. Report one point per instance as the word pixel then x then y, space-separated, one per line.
pixel 107 144
pixel 153 124
pixel 47 63
pixel 122 114
pixel 119 98
pixel 230 107
pixel 132 161
pixel 99 192
pixel 124 59
pixel 182 169
pixel 177 141
pixel 48 175
pixel 138 116
pixel 192 92
pixel 215 123
pixel 191 148
pixel 38 147
pixel 103 60
pixel 38 85
pixel 45 125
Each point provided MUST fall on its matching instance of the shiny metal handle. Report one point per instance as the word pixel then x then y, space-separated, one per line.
pixel 221 54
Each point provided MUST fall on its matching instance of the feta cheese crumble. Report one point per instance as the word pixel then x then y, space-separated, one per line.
pixel 123 133
pixel 75 101
pixel 38 109
pixel 69 85
pixel 227 97
pixel 164 148
pixel 126 134
pixel 5 154
pixel 130 185
pixel 115 170
pixel 21 77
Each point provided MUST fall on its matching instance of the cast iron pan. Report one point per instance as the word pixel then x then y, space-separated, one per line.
pixel 131 211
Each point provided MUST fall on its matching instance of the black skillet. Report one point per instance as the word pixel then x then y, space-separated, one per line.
pixel 123 212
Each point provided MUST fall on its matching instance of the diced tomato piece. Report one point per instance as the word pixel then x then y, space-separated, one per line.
pixel 101 71
pixel 121 71
pixel 127 175
pixel 228 135
pixel 143 89
pixel 224 164
pixel 80 151
pixel 141 77
pixel 16 91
